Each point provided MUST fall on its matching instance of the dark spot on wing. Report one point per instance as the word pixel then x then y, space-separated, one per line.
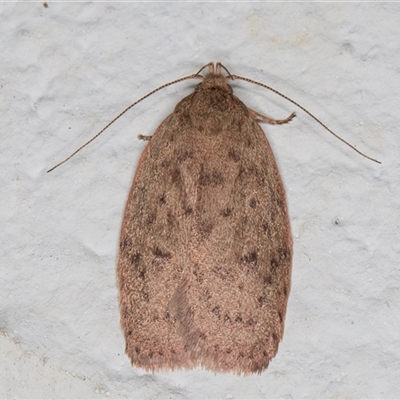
pixel 161 253
pixel 234 155
pixel 253 202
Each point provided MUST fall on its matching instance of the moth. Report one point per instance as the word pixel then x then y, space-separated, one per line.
pixel 205 249
pixel 205 256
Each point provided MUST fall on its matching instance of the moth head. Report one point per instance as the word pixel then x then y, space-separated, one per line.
pixel 214 78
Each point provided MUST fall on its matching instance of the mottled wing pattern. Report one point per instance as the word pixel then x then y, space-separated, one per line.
pixel 205 258
pixel 153 259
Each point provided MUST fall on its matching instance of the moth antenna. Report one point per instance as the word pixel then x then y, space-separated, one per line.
pixel 210 65
pixel 220 65
pixel 193 76
pixel 306 111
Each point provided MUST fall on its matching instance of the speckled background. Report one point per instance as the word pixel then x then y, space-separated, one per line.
pixel 68 69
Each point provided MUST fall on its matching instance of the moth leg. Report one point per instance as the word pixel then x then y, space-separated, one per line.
pixel 260 117
pixel 144 137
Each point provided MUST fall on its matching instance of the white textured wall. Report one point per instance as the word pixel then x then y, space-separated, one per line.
pixel 66 70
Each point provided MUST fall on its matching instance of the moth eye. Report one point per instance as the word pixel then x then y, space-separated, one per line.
pixel 198 86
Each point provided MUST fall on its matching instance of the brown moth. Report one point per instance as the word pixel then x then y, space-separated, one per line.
pixel 206 250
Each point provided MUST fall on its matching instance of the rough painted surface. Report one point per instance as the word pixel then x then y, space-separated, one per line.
pixel 72 67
